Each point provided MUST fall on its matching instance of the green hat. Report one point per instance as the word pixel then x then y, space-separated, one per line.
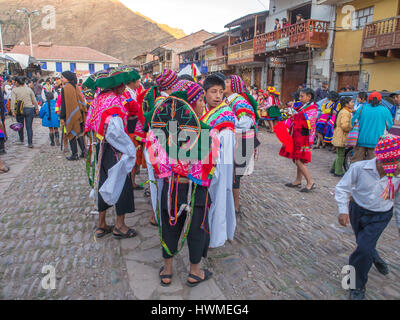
pixel 112 78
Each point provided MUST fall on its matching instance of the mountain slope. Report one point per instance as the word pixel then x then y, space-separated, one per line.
pixel 104 25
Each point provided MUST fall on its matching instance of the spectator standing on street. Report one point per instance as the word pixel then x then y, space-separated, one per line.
pixel 23 94
pixel 322 92
pixel 396 114
pixel 37 89
pixel 362 98
pixel 73 113
pixel 50 120
pixel 374 119
pixel 7 94
pixel 372 187
pixel 342 129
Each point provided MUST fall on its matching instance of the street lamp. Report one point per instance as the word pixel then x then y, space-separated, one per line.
pixel 29 14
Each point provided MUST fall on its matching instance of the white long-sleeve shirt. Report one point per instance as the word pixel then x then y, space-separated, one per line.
pixel 116 136
pixel 363 183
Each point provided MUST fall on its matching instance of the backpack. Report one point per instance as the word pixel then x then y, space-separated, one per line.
pixel 19 107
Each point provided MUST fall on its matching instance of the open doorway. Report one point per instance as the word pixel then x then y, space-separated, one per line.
pixel 304 10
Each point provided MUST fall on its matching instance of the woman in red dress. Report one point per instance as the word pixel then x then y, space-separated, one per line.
pixel 302 127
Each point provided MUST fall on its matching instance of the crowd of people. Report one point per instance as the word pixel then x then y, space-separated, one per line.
pixel 198 139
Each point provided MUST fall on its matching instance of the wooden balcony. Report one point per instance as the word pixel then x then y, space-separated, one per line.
pixel 297 37
pixel 218 64
pixel 241 53
pixel 382 38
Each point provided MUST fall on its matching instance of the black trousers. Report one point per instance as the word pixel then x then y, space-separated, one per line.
pixel 27 117
pixel 126 203
pixel 74 145
pixel 368 227
pixel 198 239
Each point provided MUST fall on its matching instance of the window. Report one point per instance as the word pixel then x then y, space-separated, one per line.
pixel 59 67
pixel 106 66
pixel 362 17
pixel 44 65
pixel 91 68
pixel 72 67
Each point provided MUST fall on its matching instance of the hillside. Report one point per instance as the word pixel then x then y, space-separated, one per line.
pixel 104 25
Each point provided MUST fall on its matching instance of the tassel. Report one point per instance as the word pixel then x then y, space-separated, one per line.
pixel 389 192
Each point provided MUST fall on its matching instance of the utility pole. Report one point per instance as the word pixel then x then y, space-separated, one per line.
pixel 29 14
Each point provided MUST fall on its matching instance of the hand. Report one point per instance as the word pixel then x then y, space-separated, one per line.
pixel 37 111
pixel 344 219
pixel 62 123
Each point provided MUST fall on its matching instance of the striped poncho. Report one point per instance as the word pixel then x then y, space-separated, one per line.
pixel 220 118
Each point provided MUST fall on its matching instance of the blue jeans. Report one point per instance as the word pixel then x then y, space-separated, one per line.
pixel 27 117
pixel 368 227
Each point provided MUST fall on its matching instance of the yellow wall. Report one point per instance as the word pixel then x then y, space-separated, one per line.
pixel 384 74
pixel 347 51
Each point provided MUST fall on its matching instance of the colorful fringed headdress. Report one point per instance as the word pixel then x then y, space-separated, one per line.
pixel 167 79
pixel 388 154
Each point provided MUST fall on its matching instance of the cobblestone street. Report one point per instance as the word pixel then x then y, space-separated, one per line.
pixel 288 245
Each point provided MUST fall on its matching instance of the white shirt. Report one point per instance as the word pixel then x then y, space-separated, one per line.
pixel 364 184
pixel 7 91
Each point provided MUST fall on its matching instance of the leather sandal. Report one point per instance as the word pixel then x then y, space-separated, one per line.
pixel 207 276
pixel 165 276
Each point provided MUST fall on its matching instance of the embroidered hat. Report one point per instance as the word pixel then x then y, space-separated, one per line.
pixel 238 85
pixel 180 85
pixel 167 79
pixel 388 154
pixel 194 92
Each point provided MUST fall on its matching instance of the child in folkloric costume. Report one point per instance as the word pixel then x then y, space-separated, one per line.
pixel 187 168
pixel 322 122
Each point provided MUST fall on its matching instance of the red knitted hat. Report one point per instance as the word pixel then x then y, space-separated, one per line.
pixel 388 154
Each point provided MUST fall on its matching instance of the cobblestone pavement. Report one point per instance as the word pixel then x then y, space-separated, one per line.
pixel 288 245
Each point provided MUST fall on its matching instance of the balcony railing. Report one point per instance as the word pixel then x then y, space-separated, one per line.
pixel 381 35
pixel 241 52
pixel 218 64
pixel 310 33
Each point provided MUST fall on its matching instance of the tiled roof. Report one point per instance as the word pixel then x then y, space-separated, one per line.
pixel 46 51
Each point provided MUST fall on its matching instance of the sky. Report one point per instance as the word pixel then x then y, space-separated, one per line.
pixel 194 15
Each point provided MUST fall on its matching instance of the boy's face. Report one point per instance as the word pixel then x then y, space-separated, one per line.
pixel 214 96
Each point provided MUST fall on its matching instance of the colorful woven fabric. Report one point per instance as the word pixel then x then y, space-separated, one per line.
pixel 241 107
pixel 186 158
pixel 167 79
pixel 106 105
pixel 220 118
pixel 180 85
pixel 388 154
pixel 238 85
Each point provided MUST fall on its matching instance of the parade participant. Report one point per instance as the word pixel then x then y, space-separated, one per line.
pixel 372 186
pixel 187 173
pixel 342 129
pixel 219 116
pixel 25 107
pixel 273 108
pixel 115 154
pixel 374 119
pixel 395 130
pixel 330 127
pixel 48 92
pixel 302 132
pixel 50 120
pixel 147 100
pixel 322 122
pixel 135 124
pixel 245 109
pixel 73 114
